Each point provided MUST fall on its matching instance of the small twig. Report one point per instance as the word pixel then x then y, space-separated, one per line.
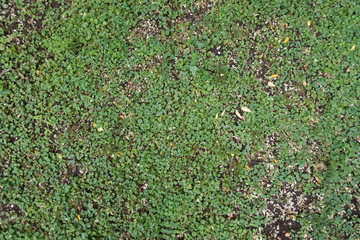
pixel 5 71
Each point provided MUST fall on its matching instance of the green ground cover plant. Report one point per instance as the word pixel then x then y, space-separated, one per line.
pixel 179 119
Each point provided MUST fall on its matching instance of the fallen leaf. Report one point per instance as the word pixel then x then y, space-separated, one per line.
pixel 223 113
pixel 261 55
pixel 275 161
pixel 245 109
pixel 287 235
pixel 94 125
pixel 122 117
pixel 100 129
pixel 271 84
pixel 308 23
pixel 232 154
pixel 248 168
pixel 212 228
pixel 217 115
pixel 286 40
pixel 79 217
pixel 317 179
pixel 171 144
pixel 37 72
pixel 238 114
pixel 353 48
pixel 112 155
pixel 196 91
pixel 120 153
pixel 304 83
pixel 60 156
pixel 274 75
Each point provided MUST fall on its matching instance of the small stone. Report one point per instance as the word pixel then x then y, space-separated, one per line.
pixel 320 167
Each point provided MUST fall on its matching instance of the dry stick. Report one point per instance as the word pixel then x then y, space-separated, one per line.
pixel 5 71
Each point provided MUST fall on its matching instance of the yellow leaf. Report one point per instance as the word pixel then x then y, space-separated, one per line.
pixel 245 109
pixel 171 144
pixel 275 161
pixel 286 40
pixel 232 154
pixel 271 84
pixel 261 55
pixel 317 179
pixel 94 125
pixel 308 23
pixel 79 217
pixel 120 153
pixel 100 129
pixel 274 75
pixel 353 48
pixel 112 155
pixel 122 117
pixel 37 72
pixel 248 168
pixel 60 156
pixel 293 216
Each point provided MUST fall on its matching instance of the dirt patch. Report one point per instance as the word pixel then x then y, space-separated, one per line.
pixel 283 209
pixel 7 210
pixel 13 17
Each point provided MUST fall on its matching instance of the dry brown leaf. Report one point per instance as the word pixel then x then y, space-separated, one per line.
pixel 238 114
pixel 245 109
